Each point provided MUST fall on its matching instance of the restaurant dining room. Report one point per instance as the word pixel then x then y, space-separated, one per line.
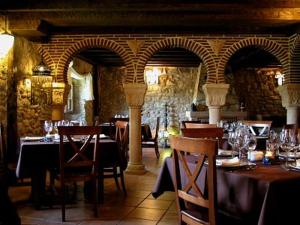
pixel 122 112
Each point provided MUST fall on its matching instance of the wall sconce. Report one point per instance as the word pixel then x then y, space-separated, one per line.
pixel 41 84
pixel 58 90
pixel 280 77
pixel 6 41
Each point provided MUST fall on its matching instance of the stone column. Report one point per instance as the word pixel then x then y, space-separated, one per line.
pixel 215 97
pixel 290 97
pixel 135 94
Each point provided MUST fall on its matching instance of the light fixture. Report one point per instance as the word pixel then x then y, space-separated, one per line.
pixel 41 84
pixel 6 41
pixel 280 77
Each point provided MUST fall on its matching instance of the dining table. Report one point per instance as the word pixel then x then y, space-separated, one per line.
pixel 249 195
pixel 37 156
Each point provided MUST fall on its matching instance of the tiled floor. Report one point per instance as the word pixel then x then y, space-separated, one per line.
pixel 138 208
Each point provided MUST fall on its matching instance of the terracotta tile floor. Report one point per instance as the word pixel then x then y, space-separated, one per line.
pixel 138 208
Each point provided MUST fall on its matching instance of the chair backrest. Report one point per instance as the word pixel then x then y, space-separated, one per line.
pixel 290 126
pixel 74 156
pixel 184 122
pixel 189 190
pixel 259 127
pixel 216 132
pixel 200 125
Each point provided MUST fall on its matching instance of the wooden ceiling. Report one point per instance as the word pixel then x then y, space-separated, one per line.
pixel 37 20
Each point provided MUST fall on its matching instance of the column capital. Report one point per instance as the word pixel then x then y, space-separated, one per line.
pixel 215 94
pixel 135 94
pixel 290 95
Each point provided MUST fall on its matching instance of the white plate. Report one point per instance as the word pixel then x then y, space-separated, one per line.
pixel 232 165
pixel 290 155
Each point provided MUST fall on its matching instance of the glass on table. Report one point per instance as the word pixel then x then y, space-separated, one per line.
pixel 287 142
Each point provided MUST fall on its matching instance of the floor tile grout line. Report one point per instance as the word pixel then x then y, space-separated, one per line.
pixel 165 212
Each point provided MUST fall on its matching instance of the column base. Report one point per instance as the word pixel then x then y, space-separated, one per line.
pixel 135 169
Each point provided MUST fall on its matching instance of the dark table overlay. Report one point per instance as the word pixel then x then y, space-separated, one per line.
pixel 265 195
pixel 36 157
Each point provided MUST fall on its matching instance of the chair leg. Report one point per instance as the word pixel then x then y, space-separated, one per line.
pixel 156 150
pixel 123 182
pixel 115 172
pixel 100 187
pixel 95 197
pixel 63 209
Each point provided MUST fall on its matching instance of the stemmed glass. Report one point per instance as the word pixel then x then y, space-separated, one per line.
pixel 287 142
pixel 48 126
pixel 251 142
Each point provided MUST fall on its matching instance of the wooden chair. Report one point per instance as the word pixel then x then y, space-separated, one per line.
pixel 200 125
pixel 195 205
pixel 153 141
pixel 259 127
pixel 117 169
pixel 76 162
pixel 215 133
pixel 185 122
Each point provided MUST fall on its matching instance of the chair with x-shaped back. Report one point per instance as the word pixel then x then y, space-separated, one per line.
pixel 77 162
pixel 195 194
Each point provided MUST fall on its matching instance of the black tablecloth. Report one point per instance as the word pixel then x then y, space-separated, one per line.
pixel 36 157
pixel 267 195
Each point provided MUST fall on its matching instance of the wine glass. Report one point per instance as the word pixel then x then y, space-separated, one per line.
pixel 231 140
pixel 48 126
pixel 287 142
pixel 251 142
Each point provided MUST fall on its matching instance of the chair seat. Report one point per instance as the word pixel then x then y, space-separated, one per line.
pixel 201 216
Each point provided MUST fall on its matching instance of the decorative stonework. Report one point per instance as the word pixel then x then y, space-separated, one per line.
pixel 216 45
pixel 290 95
pixel 215 94
pixel 135 45
pixel 135 94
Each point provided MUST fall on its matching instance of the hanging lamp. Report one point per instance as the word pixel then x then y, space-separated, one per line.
pixel 6 40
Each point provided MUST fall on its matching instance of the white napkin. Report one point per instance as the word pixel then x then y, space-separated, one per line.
pixel 255 155
pixel 298 163
pixel 228 162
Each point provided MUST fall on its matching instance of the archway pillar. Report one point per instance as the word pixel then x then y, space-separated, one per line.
pixel 290 97
pixel 135 94
pixel 215 97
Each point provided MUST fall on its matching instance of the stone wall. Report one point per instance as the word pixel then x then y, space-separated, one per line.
pixel 29 117
pixel 258 92
pixel 111 94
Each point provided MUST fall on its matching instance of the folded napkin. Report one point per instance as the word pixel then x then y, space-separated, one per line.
pixel 223 152
pixel 228 162
pixel 298 163
pixel 255 155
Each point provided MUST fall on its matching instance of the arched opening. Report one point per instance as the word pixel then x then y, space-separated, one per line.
pixel 174 77
pixel 104 97
pixel 253 75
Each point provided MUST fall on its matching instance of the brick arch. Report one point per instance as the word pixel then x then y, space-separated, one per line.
pixel 65 59
pixel 270 46
pixel 46 58
pixel 190 45
pixel 294 76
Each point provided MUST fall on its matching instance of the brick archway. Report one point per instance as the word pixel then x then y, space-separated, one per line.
pixel 46 57
pixel 294 63
pixel 190 45
pixel 270 46
pixel 65 59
